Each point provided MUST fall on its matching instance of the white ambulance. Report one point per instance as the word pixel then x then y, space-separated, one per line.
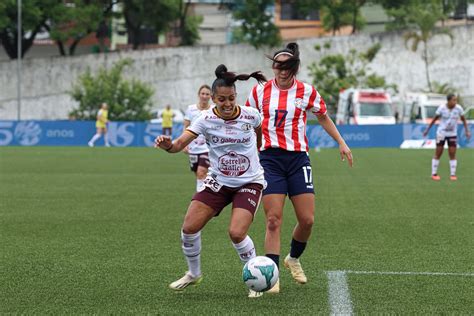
pixel 364 107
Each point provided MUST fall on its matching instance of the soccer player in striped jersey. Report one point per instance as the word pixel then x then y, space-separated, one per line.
pixel 283 103
pixel 235 174
pixel 197 150
pixel 449 114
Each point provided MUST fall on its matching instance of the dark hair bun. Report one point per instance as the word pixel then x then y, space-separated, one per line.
pixel 220 71
pixel 293 47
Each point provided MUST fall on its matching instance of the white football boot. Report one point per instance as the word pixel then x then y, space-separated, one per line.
pixel 276 288
pixel 254 294
pixel 187 280
pixel 294 265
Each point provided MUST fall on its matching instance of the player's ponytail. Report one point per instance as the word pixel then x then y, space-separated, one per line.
pixel 225 78
pixel 292 64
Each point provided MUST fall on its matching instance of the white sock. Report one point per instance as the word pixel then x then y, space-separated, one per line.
pixel 434 166
pixel 452 166
pixel 245 249
pixel 106 140
pixel 94 138
pixel 191 245
pixel 199 183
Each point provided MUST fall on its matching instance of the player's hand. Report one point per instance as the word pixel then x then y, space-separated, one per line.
pixel 186 150
pixel 468 134
pixel 163 142
pixel 345 152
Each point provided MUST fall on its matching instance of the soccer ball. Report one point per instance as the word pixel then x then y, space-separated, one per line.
pixel 260 274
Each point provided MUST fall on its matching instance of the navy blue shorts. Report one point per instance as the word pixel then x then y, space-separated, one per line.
pixel 287 172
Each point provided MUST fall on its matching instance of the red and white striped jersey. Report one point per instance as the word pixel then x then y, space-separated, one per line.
pixel 284 113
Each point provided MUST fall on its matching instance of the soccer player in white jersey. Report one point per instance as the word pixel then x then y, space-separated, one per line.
pixel 283 103
pixel 197 149
pixel 235 175
pixel 449 115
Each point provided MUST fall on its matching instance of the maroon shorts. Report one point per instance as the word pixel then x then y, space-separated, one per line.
pixel 247 197
pixel 196 160
pixel 167 131
pixel 452 141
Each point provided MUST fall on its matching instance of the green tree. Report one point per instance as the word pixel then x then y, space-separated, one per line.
pixel 336 72
pixel 335 14
pixel 140 14
pixel 422 18
pixel 188 25
pixel 34 17
pixel 64 21
pixel 74 22
pixel 397 11
pixel 128 100
pixel 257 26
pixel 357 21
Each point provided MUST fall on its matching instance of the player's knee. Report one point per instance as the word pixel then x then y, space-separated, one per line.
pixel 237 235
pixel 201 174
pixel 189 229
pixel 273 223
pixel 306 222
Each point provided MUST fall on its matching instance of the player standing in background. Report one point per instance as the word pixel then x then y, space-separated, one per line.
pixel 197 149
pixel 283 103
pixel 101 125
pixel 449 114
pixel 235 174
pixel 167 121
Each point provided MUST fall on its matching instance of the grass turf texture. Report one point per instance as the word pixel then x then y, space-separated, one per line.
pixel 96 230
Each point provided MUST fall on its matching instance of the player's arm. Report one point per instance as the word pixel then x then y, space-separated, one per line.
pixel 164 142
pixel 331 129
pixel 431 124
pixel 466 128
pixel 186 124
pixel 258 133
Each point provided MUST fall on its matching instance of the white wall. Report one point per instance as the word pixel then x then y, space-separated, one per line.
pixel 176 73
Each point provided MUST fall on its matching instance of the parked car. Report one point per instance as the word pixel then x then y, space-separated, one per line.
pixel 156 116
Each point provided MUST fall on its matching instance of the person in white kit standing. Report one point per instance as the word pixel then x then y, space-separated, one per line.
pixel 235 175
pixel 449 115
pixel 197 150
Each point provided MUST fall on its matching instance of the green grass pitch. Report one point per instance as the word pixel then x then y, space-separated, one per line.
pixel 96 230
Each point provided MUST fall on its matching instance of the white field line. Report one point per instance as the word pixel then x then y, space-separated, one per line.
pixel 339 294
pixel 467 274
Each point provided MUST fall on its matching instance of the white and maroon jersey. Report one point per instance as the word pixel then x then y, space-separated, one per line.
pixel 284 113
pixel 197 146
pixel 448 125
pixel 233 153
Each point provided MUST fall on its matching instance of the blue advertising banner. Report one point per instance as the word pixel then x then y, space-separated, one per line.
pixel 124 134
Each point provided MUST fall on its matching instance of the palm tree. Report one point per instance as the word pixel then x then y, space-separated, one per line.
pixel 424 17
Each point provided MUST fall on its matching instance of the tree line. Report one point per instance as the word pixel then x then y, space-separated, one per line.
pixel 69 22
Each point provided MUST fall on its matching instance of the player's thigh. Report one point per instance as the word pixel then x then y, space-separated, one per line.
pixel 197 216
pixel 273 205
pixel 304 208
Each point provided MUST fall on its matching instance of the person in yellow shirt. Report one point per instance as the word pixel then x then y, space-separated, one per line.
pixel 101 125
pixel 167 123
